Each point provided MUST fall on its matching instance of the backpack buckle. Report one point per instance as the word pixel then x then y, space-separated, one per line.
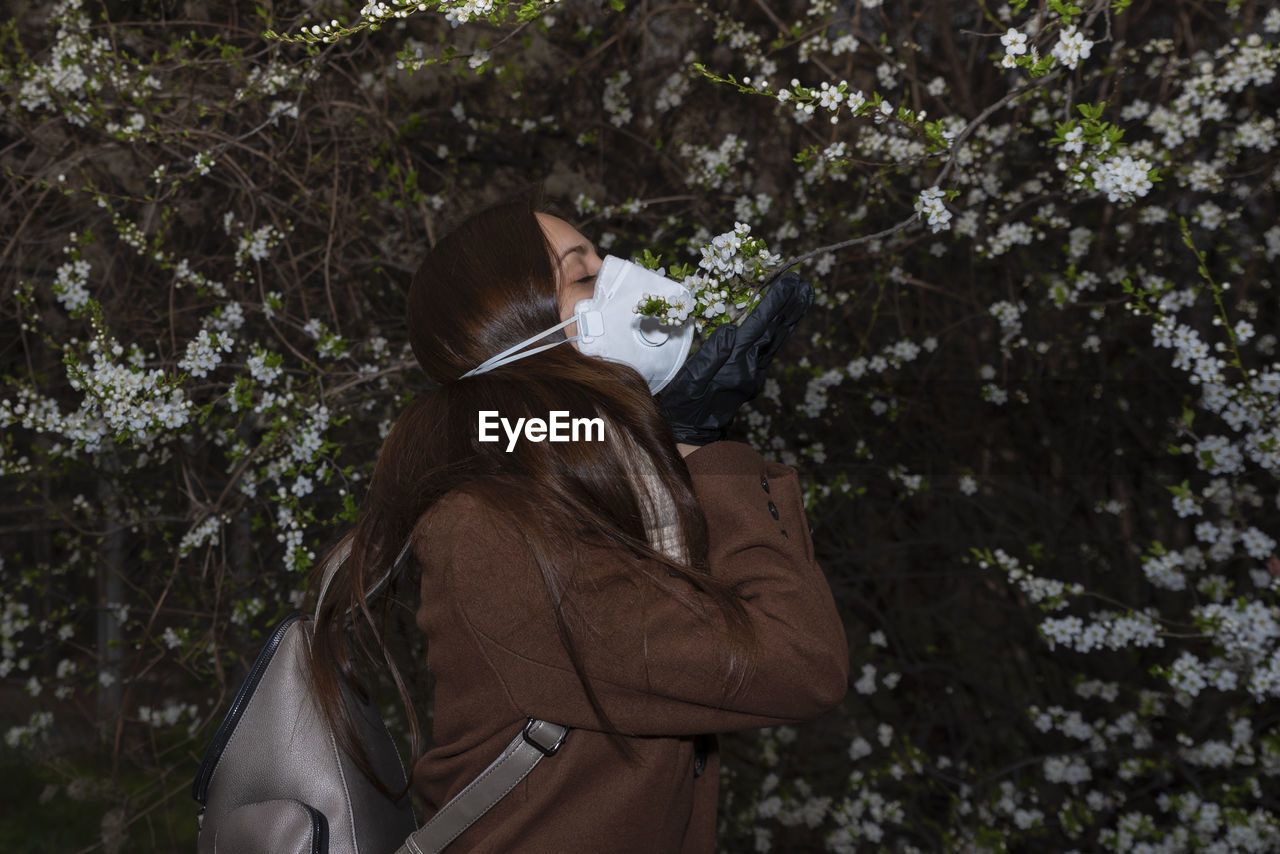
pixel 535 728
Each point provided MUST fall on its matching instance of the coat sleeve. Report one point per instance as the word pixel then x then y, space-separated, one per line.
pixel 657 665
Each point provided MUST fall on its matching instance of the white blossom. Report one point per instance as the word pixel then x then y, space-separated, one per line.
pixel 1072 47
pixel 930 208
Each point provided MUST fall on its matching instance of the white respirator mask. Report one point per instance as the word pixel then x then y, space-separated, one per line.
pixel 610 328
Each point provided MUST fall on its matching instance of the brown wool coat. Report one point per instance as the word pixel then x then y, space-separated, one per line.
pixel 655 664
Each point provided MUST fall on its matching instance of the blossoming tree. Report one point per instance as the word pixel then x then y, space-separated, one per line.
pixel 1036 406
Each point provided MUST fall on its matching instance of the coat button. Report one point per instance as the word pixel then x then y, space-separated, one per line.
pixel 785 534
pixel 699 764
pixel 764 483
pixel 773 510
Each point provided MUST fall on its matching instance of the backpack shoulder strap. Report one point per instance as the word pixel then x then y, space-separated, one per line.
pixel 538 739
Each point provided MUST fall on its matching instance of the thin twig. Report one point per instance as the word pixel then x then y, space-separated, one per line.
pixel 328 250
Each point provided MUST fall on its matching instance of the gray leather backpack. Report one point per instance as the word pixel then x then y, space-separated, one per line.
pixel 274 781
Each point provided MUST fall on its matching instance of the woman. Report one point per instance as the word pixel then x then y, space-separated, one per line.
pixel 647 588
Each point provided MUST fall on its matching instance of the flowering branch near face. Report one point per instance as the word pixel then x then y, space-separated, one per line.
pixel 982 199
pixel 726 284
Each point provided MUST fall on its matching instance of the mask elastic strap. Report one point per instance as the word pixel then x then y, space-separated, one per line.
pixel 500 359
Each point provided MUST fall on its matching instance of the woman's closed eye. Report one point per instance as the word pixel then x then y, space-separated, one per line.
pixel 585 279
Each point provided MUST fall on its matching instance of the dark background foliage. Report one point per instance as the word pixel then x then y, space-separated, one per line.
pixel 375 164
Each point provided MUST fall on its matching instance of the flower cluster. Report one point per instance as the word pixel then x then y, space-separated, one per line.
pixel 69 285
pixel 206 533
pixel 1137 474
pixel 805 100
pixel 121 402
pixel 1050 594
pixel 615 99
pixel 1015 45
pixel 668 312
pixel 732 265
pixel 712 168
pixel 204 353
pixel 674 88
pixel 929 207
pixel 1107 630
pixel 1072 47
pixel 1123 179
pixel 257 244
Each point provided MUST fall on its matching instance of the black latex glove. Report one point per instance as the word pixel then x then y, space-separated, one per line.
pixel 729 369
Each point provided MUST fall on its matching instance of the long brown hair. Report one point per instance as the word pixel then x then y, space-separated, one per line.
pixel 485 286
